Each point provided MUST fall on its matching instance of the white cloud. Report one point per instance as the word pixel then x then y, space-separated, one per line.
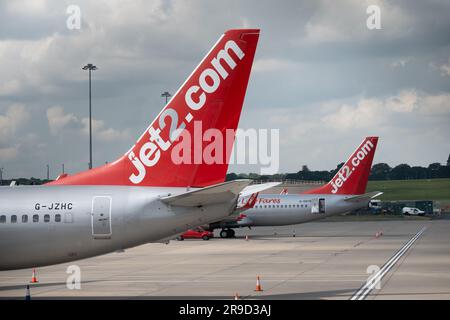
pixel 58 120
pixel 345 21
pixel 324 134
pixel 10 87
pixel 402 62
pixel 8 153
pixel 365 113
pixel 104 134
pixel 15 117
pixel 437 105
pixel 268 65
pixel 321 32
pixel 61 122
pixel 11 123
pixel 405 101
pixel 27 6
pixel 371 113
pixel 445 68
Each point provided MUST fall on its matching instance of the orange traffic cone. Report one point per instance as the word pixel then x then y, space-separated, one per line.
pixel 258 285
pixel 236 296
pixel 33 277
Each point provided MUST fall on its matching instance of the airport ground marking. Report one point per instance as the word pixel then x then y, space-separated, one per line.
pixel 368 286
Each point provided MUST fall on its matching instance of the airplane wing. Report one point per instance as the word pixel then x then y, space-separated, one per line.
pixel 255 188
pixel 364 197
pixel 219 193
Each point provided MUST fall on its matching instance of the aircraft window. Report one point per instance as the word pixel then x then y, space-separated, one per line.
pixel 58 218
pixel 35 218
pixel 289 206
pixel 13 218
pixel 68 218
pixel 25 218
pixel 2 219
pixel 265 206
pixel 47 218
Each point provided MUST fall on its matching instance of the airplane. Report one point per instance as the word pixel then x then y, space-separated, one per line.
pixel 146 195
pixel 343 193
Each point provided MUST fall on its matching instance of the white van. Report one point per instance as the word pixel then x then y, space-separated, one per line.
pixel 412 211
pixel 376 204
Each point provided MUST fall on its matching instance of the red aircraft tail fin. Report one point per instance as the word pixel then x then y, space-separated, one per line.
pixel 190 141
pixel 352 177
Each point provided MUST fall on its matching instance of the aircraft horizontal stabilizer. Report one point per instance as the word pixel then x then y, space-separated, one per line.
pixel 364 197
pixel 255 188
pixel 219 193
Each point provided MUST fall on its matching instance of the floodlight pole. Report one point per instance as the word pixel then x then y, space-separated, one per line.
pixel 166 95
pixel 90 67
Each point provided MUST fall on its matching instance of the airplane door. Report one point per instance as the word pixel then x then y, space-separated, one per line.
pixel 318 206
pixel 321 205
pixel 101 217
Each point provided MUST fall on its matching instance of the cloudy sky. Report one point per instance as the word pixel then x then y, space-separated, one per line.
pixel 320 76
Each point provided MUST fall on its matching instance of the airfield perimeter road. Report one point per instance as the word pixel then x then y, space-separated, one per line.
pixel 325 260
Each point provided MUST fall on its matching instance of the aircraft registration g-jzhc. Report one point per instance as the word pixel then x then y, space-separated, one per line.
pixel 143 196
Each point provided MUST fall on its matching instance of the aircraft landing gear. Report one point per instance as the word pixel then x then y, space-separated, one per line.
pixel 227 233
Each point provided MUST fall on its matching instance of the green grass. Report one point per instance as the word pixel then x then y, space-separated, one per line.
pixel 372 217
pixel 433 189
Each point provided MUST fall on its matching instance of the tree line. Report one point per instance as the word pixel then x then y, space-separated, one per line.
pixel 380 171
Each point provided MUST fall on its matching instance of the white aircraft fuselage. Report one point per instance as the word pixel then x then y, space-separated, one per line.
pixel 278 210
pixel 290 209
pixel 44 225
